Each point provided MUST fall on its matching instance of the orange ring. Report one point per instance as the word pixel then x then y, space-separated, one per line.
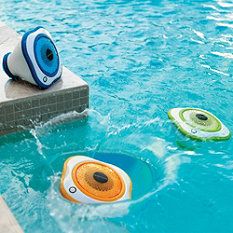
pixel 93 193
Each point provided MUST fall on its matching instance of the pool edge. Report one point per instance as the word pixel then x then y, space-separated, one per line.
pixel 8 222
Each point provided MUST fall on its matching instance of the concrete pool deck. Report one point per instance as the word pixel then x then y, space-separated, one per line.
pixel 22 104
pixel 8 223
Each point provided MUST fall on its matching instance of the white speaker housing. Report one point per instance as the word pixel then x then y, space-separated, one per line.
pixel 35 59
pixel 71 192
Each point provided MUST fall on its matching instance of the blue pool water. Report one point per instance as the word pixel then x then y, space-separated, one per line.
pixel 140 58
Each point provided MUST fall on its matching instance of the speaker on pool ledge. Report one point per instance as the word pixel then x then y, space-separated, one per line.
pixel 35 59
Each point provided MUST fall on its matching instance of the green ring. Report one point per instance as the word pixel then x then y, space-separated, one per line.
pixel 187 134
pixel 216 129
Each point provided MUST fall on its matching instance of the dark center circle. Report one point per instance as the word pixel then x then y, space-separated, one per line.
pixel 100 177
pixel 201 117
pixel 49 54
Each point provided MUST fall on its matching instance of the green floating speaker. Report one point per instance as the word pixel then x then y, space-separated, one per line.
pixel 199 124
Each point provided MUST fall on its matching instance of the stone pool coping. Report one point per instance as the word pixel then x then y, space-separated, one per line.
pixel 8 223
pixel 22 104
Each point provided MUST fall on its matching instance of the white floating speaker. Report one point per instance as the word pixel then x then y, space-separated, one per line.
pixel 35 59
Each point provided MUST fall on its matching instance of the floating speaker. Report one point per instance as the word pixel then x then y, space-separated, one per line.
pixel 199 124
pixel 86 180
pixel 35 59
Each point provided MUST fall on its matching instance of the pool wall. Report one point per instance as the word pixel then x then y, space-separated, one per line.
pixel 22 104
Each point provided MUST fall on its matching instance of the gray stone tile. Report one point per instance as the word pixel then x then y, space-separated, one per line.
pixel 2 109
pixel 60 97
pixel 84 92
pixel 83 100
pixel 35 103
pixel 44 101
pixel 76 102
pixel 76 94
pixel 52 99
pixel 18 106
pixel 2 118
pixel 10 117
pixel 9 108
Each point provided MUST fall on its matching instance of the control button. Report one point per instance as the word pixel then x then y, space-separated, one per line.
pixel 45 79
pixel 194 131
pixel 72 189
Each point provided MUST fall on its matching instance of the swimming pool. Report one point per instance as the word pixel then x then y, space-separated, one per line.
pixel 140 58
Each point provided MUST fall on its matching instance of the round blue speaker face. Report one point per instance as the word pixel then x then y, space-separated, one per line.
pixel 46 55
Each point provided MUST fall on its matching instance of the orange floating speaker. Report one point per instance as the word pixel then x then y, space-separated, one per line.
pixel 87 180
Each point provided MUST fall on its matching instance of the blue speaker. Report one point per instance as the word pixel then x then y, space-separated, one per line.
pixel 35 59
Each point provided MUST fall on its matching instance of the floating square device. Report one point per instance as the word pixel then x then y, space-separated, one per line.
pixel 87 180
pixel 199 124
pixel 35 59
